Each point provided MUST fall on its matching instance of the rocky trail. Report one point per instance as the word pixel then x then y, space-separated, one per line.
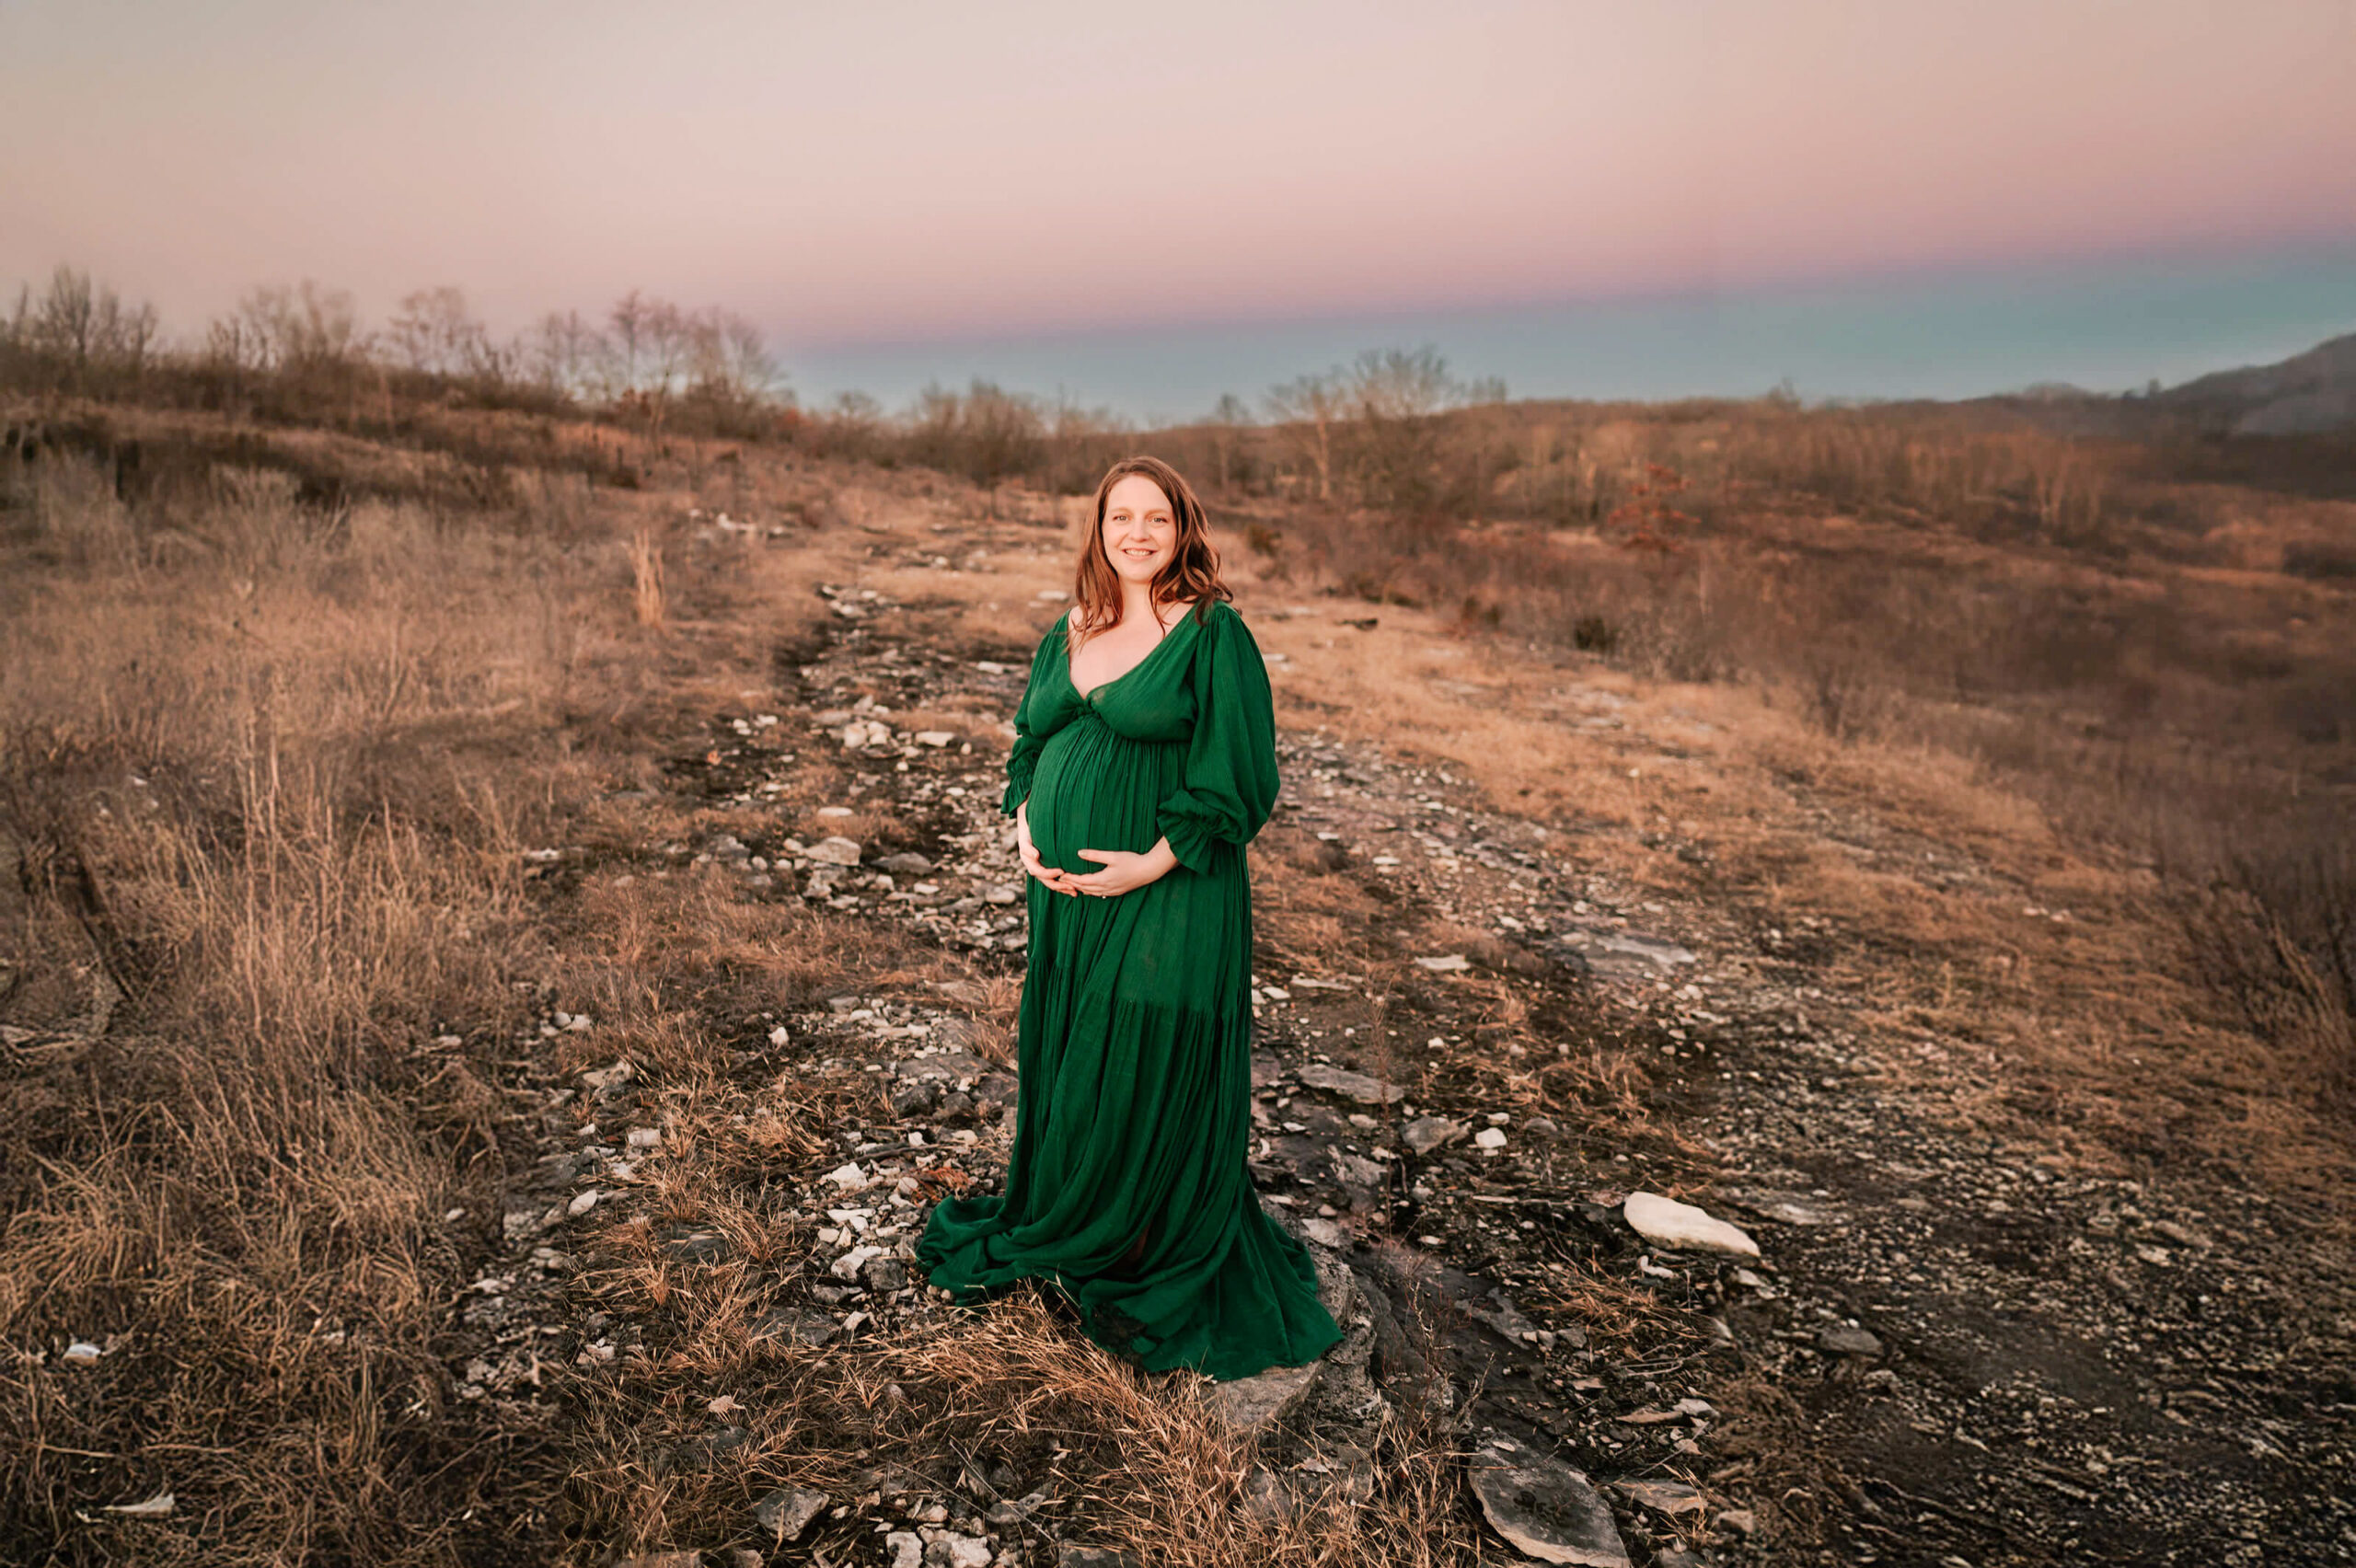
pixel 1921 1344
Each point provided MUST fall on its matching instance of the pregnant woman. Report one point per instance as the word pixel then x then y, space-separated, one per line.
pixel 1144 760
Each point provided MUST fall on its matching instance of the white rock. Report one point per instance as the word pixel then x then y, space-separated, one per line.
pixel 779 1035
pixel 848 1177
pixel 645 1137
pixel 966 1551
pixel 1443 964
pixel 835 851
pixel 934 737
pixel 582 1203
pixel 82 1352
pixel 607 1078
pixel 906 1548
pixel 1490 1138
pixel 851 1262
pixel 1672 1224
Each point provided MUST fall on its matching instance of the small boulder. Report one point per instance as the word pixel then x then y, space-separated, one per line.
pixel 784 1514
pixel 835 851
pixel 1545 1508
pixel 1669 1223
pixel 1842 1340
pixel 1341 1081
pixel 954 1551
pixel 1425 1135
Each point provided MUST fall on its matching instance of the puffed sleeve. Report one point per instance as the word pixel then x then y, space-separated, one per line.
pixel 1229 783
pixel 1023 760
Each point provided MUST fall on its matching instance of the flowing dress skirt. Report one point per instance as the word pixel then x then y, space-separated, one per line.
pixel 1132 1115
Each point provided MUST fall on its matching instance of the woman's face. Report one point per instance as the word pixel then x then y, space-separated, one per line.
pixel 1141 528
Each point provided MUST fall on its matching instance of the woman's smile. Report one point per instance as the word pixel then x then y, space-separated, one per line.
pixel 1141 529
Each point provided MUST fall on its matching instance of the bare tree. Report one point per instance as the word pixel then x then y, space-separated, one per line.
pixel 648 348
pixel 1398 399
pixel 1229 415
pixel 297 327
pixel 81 331
pixel 565 352
pixel 1400 384
pixel 1307 408
pixel 436 333
pixel 729 364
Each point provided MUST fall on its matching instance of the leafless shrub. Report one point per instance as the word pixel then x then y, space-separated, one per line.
pixel 78 336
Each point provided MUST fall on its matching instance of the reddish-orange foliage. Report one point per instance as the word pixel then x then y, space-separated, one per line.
pixel 1645 521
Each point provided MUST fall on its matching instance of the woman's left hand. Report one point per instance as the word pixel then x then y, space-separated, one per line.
pixel 1124 870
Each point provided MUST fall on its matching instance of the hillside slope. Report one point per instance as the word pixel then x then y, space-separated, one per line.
pixel 2303 395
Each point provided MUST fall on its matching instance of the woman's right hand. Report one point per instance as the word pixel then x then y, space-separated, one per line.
pixel 1029 854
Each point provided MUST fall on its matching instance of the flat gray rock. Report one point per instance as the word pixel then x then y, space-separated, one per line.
pixel 1427 1133
pixel 949 1066
pixel 1546 1509
pixel 1840 1339
pixel 1620 955
pixel 1341 1081
pixel 786 1513
pixel 835 851
pixel 1791 1208
pixel 1669 1497
pixel 1259 1401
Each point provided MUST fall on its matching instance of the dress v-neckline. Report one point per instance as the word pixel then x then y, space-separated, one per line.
pixel 1089 697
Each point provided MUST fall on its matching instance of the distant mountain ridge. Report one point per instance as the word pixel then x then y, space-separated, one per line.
pixel 2307 393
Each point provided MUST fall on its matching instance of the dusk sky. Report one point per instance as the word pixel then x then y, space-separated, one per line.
pixel 902 190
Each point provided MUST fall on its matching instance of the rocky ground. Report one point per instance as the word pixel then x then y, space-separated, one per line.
pixel 1905 1341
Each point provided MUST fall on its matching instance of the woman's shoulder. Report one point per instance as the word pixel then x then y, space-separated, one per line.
pixel 1051 642
pixel 1213 611
pixel 1221 617
pixel 1225 636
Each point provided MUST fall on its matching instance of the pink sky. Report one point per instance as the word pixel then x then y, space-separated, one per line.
pixel 894 170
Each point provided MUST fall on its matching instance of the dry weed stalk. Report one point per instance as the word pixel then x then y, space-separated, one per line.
pixel 646 579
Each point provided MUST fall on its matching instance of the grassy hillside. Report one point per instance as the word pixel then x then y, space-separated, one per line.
pixel 363 769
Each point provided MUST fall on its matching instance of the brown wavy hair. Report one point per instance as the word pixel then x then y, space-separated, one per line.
pixel 1192 571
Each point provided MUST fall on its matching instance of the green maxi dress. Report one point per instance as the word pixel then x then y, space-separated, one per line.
pixel 1133 1041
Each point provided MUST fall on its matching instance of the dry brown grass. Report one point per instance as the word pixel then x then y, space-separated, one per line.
pixel 254 781
pixel 1007 1400
pixel 272 760
pixel 646 578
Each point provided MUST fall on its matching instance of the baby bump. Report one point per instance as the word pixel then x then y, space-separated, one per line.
pixel 1096 788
